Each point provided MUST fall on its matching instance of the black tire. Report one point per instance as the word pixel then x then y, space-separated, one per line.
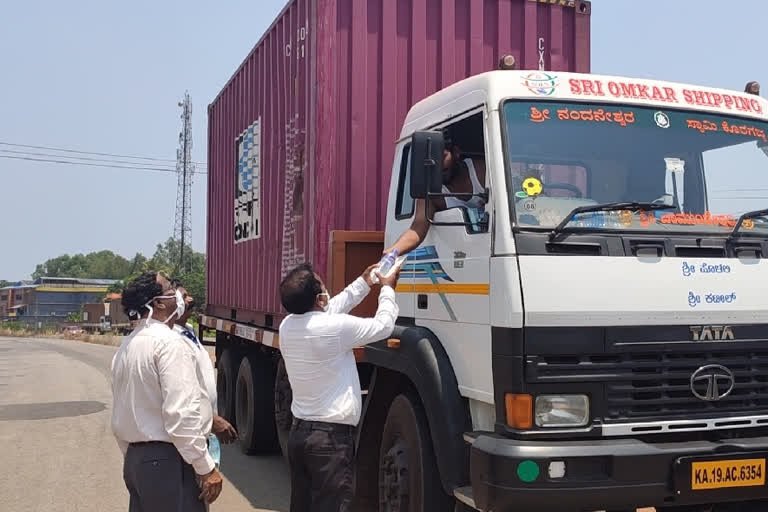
pixel 283 400
pixel 227 367
pixel 255 406
pixel 409 480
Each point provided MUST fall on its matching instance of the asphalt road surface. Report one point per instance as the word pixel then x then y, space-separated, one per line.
pixel 56 444
pixel 57 448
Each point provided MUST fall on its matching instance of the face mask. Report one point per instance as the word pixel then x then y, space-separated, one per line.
pixel 325 308
pixel 180 308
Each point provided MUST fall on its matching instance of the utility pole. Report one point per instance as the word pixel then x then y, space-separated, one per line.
pixel 185 171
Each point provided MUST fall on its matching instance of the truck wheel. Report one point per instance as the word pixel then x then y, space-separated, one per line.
pixel 408 477
pixel 227 367
pixel 254 405
pixel 283 399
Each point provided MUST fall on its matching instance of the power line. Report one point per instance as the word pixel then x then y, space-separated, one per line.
pixel 68 150
pixel 48 160
pixel 75 158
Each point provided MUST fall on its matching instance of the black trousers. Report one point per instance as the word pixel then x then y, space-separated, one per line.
pixel 158 480
pixel 321 456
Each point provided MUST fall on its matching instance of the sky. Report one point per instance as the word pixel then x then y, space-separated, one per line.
pixel 106 77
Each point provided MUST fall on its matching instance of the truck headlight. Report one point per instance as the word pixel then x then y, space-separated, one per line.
pixel 562 410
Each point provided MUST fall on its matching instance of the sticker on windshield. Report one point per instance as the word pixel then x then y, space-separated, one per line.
pixel 662 119
pixel 626 218
pixel 589 115
pixel 705 126
pixel 539 116
pixel 597 116
pixel 532 187
pixel 703 219
pixel 529 205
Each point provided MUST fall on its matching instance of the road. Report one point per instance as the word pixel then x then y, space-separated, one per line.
pixel 57 447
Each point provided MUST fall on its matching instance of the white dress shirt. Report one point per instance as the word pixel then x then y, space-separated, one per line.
pixel 203 360
pixel 159 394
pixel 317 349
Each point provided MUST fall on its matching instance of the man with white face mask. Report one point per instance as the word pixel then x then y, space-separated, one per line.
pixel 317 341
pixel 161 413
pixel 222 430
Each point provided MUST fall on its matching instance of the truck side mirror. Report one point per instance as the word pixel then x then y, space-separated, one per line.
pixel 426 163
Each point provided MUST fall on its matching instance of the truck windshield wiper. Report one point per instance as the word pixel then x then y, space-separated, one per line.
pixel 607 207
pixel 746 216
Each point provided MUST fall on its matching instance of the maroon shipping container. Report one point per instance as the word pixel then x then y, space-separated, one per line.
pixel 301 139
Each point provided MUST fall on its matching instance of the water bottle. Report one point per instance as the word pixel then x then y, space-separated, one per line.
pixel 214 449
pixel 386 264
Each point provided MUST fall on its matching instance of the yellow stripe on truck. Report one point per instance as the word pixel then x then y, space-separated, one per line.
pixel 446 288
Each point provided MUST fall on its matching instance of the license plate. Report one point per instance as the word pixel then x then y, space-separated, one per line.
pixel 727 473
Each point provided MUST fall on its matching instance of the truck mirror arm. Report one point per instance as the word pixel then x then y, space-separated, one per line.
pixel 484 195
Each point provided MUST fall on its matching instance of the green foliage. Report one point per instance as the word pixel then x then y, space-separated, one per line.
pixel 108 265
pixel 166 260
pixel 75 317
pixel 4 283
pixel 13 326
pixel 96 265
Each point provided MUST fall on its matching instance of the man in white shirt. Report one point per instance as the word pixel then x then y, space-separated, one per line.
pixel 222 429
pixel 161 413
pixel 317 341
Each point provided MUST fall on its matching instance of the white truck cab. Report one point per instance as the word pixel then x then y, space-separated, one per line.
pixel 603 313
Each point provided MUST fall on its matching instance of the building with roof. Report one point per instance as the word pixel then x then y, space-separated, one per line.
pixel 49 300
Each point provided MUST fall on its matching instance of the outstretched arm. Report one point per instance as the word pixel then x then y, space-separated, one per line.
pixel 415 234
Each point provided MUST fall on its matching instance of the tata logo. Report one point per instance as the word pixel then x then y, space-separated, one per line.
pixel 712 333
pixel 712 382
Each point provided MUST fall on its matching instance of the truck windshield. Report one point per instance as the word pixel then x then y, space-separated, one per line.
pixel 707 168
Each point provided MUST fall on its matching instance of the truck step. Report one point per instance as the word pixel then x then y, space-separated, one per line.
pixel 464 495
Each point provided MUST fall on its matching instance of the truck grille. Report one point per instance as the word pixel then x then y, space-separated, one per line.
pixel 656 386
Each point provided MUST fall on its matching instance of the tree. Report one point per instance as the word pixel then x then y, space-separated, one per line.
pixel 75 317
pixel 108 265
pixel 96 265
pixel 4 283
pixel 166 260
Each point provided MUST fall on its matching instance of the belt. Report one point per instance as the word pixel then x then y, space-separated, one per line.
pixel 149 443
pixel 321 425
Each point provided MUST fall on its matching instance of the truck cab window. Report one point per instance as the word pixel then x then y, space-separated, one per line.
pixel 465 171
pixel 405 203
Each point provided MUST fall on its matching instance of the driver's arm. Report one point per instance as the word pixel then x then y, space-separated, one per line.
pixel 416 234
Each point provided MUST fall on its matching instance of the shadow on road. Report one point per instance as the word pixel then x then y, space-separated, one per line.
pixel 263 480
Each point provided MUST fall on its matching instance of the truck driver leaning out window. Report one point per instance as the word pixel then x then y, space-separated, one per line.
pixel 461 175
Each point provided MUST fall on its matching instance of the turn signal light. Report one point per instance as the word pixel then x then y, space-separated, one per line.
pixel 519 410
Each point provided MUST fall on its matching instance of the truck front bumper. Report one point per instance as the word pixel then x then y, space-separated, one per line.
pixel 602 474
